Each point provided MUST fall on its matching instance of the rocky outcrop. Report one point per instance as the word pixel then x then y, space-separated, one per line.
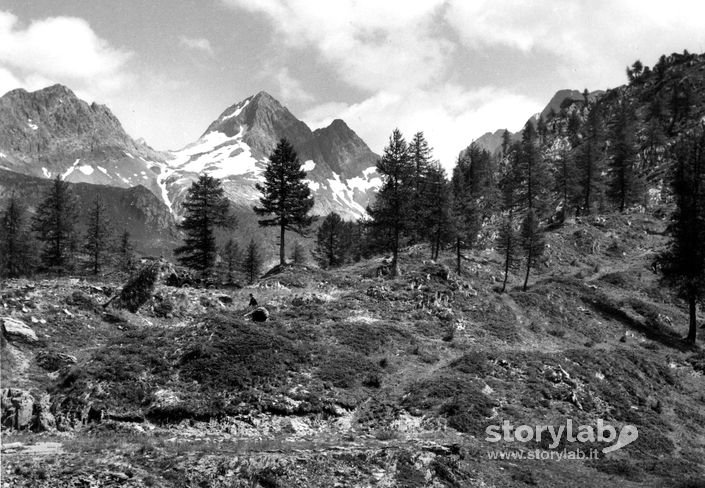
pixel 15 330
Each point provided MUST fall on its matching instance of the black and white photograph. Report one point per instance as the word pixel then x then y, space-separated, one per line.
pixel 352 243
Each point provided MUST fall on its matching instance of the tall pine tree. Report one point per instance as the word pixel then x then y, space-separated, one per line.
pixel 390 211
pixel 286 197
pixel 55 224
pixel 683 263
pixel 230 254
pixel 420 155
pixel 206 208
pixel 625 186
pixel 330 241
pixel 590 160
pixel 98 235
pixel 252 261
pixel 15 240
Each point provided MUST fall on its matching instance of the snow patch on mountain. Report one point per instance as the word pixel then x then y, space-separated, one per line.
pixel 237 111
pixel 343 194
pixel 86 169
pixel 103 170
pixel 309 166
pixel 46 173
pixel 218 155
pixel 70 170
pixel 314 186
pixel 32 125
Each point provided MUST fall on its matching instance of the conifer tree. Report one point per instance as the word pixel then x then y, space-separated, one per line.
pixel 15 240
pixel 55 222
pixel 206 208
pixel 508 247
pixel 420 155
pixel 298 254
pixel 98 235
pixel 683 263
pixel 125 253
pixel 507 243
pixel 532 242
pixel 466 218
pixel 286 197
pixel 625 186
pixel 439 219
pixel 390 211
pixel 589 160
pixel 231 259
pixel 330 245
pixel 252 262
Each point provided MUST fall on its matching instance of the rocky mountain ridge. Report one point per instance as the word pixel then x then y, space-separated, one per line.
pixel 52 132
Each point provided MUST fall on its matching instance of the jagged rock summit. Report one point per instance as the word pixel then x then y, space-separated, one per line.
pixel 52 132
pixel 235 148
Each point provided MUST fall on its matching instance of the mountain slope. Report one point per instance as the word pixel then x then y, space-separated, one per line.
pixel 235 148
pixel 52 132
pixel 135 209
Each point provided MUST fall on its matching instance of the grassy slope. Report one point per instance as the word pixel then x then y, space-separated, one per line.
pixel 364 380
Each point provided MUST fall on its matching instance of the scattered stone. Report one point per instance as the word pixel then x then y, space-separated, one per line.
pixel 15 329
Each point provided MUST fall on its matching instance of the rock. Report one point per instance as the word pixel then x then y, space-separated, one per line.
pixel 17 408
pixel 45 419
pixel 225 299
pixel 53 361
pixel 260 314
pixel 14 329
pixel 82 301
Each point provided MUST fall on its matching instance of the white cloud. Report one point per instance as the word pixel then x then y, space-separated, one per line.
pixel 59 50
pixel 592 42
pixel 291 88
pixel 450 116
pixel 372 44
pixel 199 44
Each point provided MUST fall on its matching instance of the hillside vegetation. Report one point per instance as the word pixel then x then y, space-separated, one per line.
pixel 359 379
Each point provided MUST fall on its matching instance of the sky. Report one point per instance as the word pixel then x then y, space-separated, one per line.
pixel 453 69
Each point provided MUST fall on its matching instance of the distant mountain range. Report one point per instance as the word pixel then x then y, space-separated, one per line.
pixel 52 132
pixel 236 147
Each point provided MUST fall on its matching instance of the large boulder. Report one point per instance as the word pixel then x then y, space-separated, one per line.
pixel 14 329
pixel 17 408
pixel 260 314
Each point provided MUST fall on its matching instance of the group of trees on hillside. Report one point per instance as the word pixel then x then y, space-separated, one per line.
pixel 50 240
pixel 285 203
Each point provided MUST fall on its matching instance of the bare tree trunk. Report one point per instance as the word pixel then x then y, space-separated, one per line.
pixel 282 253
pixel 692 331
pixel 457 247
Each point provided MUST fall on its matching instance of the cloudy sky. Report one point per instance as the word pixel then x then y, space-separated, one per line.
pixel 451 68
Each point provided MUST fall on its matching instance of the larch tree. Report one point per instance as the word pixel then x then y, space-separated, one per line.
pixel 98 235
pixel 125 252
pixel 420 155
pixel 464 210
pixel 15 240
pixel 55 225
pixel 286 198
pixel 251 264
pixel 683 263
pixel 590 160
pixel 330 241
pixel 390 211
pixel 625 187
pixel 230 254
pixel 298 254
pixel 206 208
